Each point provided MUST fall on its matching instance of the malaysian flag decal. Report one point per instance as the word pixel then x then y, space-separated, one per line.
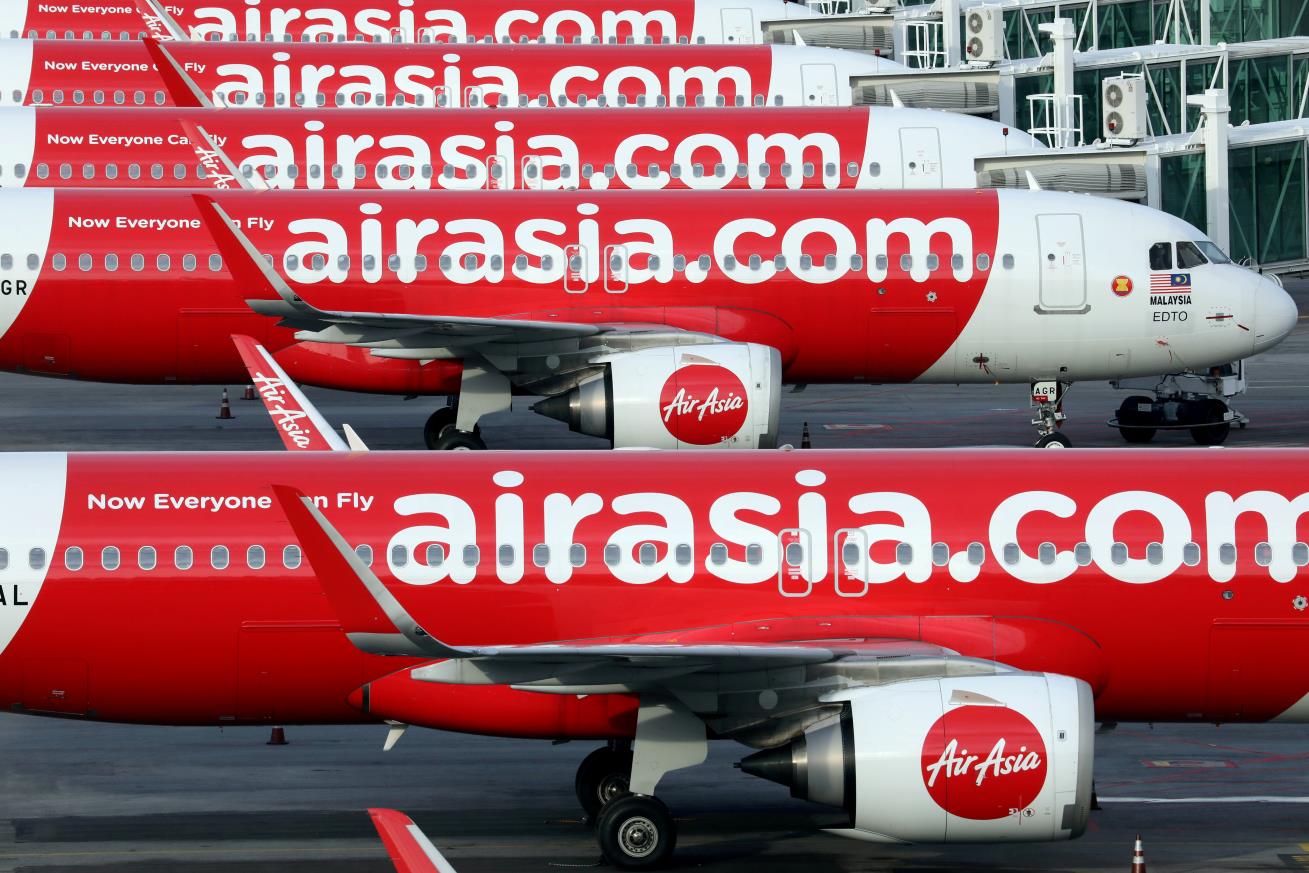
pixel 1164 282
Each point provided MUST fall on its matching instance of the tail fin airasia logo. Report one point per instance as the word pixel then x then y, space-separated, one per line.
pixel 703 404
pixel 984 762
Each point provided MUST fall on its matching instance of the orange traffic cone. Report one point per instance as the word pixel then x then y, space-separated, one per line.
pixel 224 408
pixel 278 738
pixel 1138 857
pixel 249 393
pixel 805 443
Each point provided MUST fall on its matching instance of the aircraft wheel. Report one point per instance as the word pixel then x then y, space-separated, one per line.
pixel 1054 441
pixel 602 776
pixel 1129 413
pixel 437 422
pixel 636 832
pixel 1213 434
pixel 452 440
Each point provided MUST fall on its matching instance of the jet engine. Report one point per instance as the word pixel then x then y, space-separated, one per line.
pixel 716 395
pixel 1002 758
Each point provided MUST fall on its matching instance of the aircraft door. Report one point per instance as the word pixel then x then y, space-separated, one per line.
pixel 920 157
pixel 531 173
pixel 497 173
pixel 795 563
pixel 575 281
pixel 738 27
pixel 850 570
pixel 1063 263
pixel 616 269
pixel 818 82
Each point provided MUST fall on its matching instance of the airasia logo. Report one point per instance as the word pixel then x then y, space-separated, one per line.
pixel 984 762
pixel 703 404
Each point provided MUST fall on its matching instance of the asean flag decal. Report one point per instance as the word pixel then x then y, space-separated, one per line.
pixel 703 403
pixel 984 762
pixel 1121 285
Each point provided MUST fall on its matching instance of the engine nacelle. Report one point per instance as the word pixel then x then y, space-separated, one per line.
pixel 1002 758
pixel 718 395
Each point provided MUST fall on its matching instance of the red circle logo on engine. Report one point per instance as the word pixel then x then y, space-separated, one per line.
pixel 703 404
pixel 984 762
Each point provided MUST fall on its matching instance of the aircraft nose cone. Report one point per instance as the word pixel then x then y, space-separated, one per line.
pixel 1275 314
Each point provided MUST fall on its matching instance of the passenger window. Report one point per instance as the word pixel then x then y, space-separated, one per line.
pixel 435 555
pixel 215 263
pixel 4 559
pixel 84 262
pixel 6 261
pixel 577 555
pixel 146 557
pixel 111 171
pixel 1227 554
pixel 940 554
pixel 505 555
pixel 65 171
pixel 254 557
pixel 983 262
pixel 163 263
pixel 138 262
pixel 754 554
pixel 1300 554
pixel 188 263
pixel 58 261
pixel 291 557
pixel 472 556
pixel 874 169
pixel 933 262
pixel 399 555
pixel 1188 255
pixel 647 554
pixel 365 554
pixel 42 171
pixel 88 171
pixel 1154 553
pixel 156 171
pixel 1118 553
pixel 1007 262
pixel 540 554
pixel 33 261
pixel 718 554
pixel 904 554
pixel 1191 554
pixel 906 262
pixel 182 557
pixel 73 558
pixel 794 554
pixel 1161 256
pixel 111 262
pixel 36 559
pixel 109 558
pixel 1082 554
pixel 1011 553
pixel 850 553
pixel 612 555
pixel 1046 553
pixel 218 557
pixel 1263 552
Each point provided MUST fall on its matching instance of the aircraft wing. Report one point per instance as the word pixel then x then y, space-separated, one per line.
pixel 410 849
pixel 363 328
pixel 720 681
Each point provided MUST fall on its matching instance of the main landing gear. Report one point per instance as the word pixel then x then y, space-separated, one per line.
pixel 441 434
pixel 1184 401
pixel 635 831
pixel 616 784
pixel 1048 405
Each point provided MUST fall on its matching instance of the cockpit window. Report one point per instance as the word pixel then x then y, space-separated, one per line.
pixel 1188 255
pixel 1161 256
pixel 1212 252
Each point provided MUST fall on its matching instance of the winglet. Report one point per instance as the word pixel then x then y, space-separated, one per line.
pixel 181 87
pixel 300 424
pixel 247 265
pixel 159 22
pixel 373 620
pixel 220 170
pixel 410 849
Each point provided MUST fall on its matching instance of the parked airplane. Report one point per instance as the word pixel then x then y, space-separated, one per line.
pixel 787 600
pixel 642 149
pixel 726 22
pixel 100 72
pixel 649 318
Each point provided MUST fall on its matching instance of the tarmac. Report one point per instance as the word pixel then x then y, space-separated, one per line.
pixel 98 798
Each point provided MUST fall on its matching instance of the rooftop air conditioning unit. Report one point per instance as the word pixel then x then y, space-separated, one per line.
pixel 984 34
pixel 1123 108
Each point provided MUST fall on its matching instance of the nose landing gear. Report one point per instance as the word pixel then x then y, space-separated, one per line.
pixel 1184 401
pixel 1048 403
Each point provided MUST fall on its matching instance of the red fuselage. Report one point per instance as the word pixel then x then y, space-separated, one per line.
pixel 1176 597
